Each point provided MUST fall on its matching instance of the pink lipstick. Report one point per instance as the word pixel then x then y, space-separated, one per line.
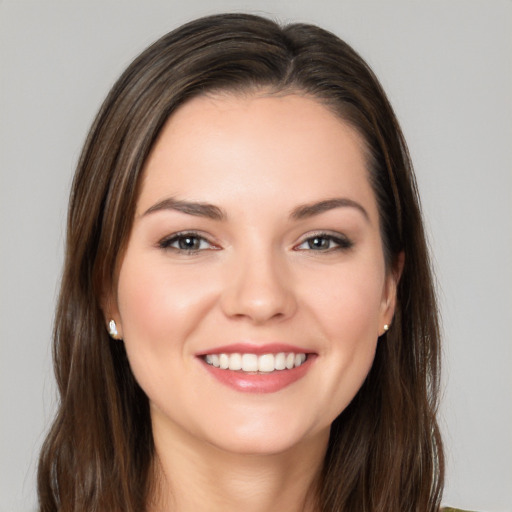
pixel 257 368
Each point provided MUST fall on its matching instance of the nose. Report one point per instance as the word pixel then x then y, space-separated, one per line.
pixel 259 288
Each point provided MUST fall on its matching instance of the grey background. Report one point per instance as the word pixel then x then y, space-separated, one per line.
pixel 447 67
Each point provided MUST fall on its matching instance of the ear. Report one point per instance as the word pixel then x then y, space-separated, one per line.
pixel 111 315
pixel 388 304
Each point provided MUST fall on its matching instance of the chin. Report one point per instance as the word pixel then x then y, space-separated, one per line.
pixel 266 438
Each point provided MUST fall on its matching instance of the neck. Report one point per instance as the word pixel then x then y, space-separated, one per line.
pixel 192 475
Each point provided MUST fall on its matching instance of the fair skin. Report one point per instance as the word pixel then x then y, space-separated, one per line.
pixel 256 232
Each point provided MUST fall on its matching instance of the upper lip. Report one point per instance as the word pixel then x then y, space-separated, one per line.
pixel 255 348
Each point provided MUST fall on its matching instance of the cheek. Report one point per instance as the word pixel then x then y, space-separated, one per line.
pixel 158 304
pixel 346 307
pixel 142 302
pixel 158 309
pixel 349 302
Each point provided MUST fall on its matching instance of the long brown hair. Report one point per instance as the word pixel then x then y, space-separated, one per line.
pixel 385 452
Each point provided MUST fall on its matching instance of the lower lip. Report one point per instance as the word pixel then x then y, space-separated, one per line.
pixel 260 382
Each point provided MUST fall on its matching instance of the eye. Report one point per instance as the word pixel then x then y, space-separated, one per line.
pixel 186 243
pixel 325 242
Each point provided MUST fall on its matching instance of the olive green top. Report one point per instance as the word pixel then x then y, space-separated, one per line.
pixel 450 509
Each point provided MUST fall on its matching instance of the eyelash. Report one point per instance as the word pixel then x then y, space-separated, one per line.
pixel 340 242
pixel 167 243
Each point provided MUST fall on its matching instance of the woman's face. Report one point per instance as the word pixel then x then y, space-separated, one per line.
pixel 253 288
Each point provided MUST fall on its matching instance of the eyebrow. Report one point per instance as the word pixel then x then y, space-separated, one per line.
pixel 213 212
pixel 209 211
pixel 312 209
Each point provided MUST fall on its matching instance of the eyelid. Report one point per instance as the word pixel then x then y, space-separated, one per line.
pixel 342 241
pixel 167 241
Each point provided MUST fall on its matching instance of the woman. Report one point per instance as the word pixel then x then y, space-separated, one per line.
pixel 247 318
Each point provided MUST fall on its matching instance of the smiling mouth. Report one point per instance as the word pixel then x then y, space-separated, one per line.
pixel 253 363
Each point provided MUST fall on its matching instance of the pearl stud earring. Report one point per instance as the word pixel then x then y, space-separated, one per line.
pixel 386 327
pixel 112 330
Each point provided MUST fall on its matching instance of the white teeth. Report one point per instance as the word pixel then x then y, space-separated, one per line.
pixel 299 359
pixel 266 363
pixel 253 363
pixel 250 363
pixel 235 362
pixel 280 362
pixel 223 361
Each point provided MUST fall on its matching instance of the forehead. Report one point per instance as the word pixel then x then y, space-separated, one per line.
pixel 219 147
